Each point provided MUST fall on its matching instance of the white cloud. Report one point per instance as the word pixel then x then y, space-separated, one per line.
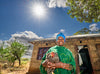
pixel 1 42
pixel 55 34
pixel 26 36
pixel 62 30
pixel 5 44
pixel 52 35
pixel 22 37
pixel 56 3
pixel 93 27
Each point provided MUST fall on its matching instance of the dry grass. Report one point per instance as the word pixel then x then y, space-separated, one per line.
pixel 22 69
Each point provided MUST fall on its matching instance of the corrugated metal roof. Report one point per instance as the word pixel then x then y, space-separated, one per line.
pixel 73 36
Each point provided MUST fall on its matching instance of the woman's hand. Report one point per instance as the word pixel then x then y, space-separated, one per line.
pixel 51 65
pixel 48 64
pixel 67 66
pixel 44 64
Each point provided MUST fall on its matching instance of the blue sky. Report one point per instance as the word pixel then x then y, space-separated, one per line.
pixel 16 16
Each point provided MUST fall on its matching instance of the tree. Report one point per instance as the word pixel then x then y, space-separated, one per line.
pixel 84 10
pixel 5 55
pixel 86 31
pixel 17 50
pixel 83 31
pixel 12 53
pixel 2 52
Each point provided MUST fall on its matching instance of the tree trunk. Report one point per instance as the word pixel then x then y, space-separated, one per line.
pixel 0 69
pixel 13 63
pixel 19 61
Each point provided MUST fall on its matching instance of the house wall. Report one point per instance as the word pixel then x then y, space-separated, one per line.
pixel 70 44
pixel 34 63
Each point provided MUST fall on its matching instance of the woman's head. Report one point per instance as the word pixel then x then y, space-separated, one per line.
pixel 60 38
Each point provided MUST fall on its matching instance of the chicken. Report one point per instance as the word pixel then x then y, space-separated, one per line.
pixel 52 57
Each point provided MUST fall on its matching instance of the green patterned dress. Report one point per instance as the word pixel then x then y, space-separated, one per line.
pixel 65 56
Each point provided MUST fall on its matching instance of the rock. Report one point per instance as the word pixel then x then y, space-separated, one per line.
pixel 5 65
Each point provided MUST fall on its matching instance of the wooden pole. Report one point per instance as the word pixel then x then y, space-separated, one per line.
pixel 76 60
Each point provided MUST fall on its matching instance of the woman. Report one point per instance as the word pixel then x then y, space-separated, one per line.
pixel 67 62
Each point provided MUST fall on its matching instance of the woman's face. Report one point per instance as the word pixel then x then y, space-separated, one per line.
pixel 60 41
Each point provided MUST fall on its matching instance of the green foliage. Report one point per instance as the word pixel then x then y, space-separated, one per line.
pixel 12 53
pixel 17 49
pixel 83 31
pixel 84 10
pixel 86 31
pixel 3 53
pixel 25 59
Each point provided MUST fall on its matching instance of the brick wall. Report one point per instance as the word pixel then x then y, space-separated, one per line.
pixel 91 42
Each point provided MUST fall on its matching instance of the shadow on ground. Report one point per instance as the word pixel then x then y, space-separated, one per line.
pixel 35 71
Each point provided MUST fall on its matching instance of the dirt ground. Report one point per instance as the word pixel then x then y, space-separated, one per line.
pixel 23 69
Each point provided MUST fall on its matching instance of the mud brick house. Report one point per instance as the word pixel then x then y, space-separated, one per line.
pixel 90 43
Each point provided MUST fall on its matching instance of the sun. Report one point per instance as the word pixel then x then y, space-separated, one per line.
pixel 39 10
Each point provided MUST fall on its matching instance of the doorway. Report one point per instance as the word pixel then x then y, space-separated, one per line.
pixel 84 60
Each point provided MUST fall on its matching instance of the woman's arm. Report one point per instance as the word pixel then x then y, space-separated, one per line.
pixel 57 65
pixel 63 65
